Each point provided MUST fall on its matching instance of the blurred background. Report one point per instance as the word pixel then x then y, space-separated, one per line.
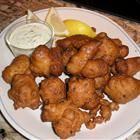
pixel 129 9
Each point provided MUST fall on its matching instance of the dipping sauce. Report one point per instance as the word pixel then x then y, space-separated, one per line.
pixel 30 35
pixel 23 37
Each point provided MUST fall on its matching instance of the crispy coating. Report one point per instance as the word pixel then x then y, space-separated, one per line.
pixel 57 66
pixel 117 41
pixel 123 51
pixel 19 65
pixel 109 51
pixel 99 119
pixel 100 82
pixel 114 106
pixel 90 124
pixel 106 112
pixel 45 62
pixel 41 61
pixel 24 92
pixel 122 88
pixel 95 68
pixel 101 112
pixel 93 112
pixel 106 109
pixel 66 118
pixel 78 61
pixel 52 90
pixel 104 102
pixel 123 48
pixel 128 66
pixel 54 112
pixel 67 54
pixel 80 90
pixel 75 41
pixel 92 103
pixel 70 123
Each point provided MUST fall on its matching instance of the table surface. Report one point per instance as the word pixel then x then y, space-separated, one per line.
pixel 10 10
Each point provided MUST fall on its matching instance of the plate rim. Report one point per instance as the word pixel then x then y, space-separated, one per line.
pixel 23 131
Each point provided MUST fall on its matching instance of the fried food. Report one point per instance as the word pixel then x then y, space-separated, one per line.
pixel 92 102
pixel 19 65
pixel 128 66
pixel 70 123
pixel 78 61
pixel 66 118
pixel 90 124
pixel 45 62
pixel 54 112
pixel 95 68
pixel 75 41
pixel 93 112
pixel 114 106
pixel 57 66
pixel 122 88
pixel 106 108
pixel 123 51
pixel 101 112
pixel 24 92
pixel 109 51
pixel 106 112
pixel 100 82
pixel 52 90
pixel 67 54
pixel 123 48
pixel 99 120
pixel 80 91
pixel 117 41
pixel 41 61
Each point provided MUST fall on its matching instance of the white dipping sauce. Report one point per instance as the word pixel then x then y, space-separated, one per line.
pixel 30 35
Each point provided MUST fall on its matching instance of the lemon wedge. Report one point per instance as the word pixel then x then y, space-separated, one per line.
pixel 78 27
pixel 55 21
pixel 31 16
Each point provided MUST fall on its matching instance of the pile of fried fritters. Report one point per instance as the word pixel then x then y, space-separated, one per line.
pixel 99 80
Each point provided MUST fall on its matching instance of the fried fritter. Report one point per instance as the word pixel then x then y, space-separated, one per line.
pixel 100 82
pixel 70 123
pixel 92 102
pixel 54 112
pixel 117 41
pixel 19 65
pixel 109 51
pixel 122 88
pixel 123 48
pixel 67 54
pixel 52 90
pixel 95 68
pixel 66 118
pixel 128 66
pixel 80 91
pixel 45 61
pixel 105 113
pixel 123 51
pixel 75 41
pixel 24 92
pixel 78 61
pixel 41 61
pixel 57 66
pixel 101 113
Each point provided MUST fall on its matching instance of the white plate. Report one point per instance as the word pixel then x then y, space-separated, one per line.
pixel 28 123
